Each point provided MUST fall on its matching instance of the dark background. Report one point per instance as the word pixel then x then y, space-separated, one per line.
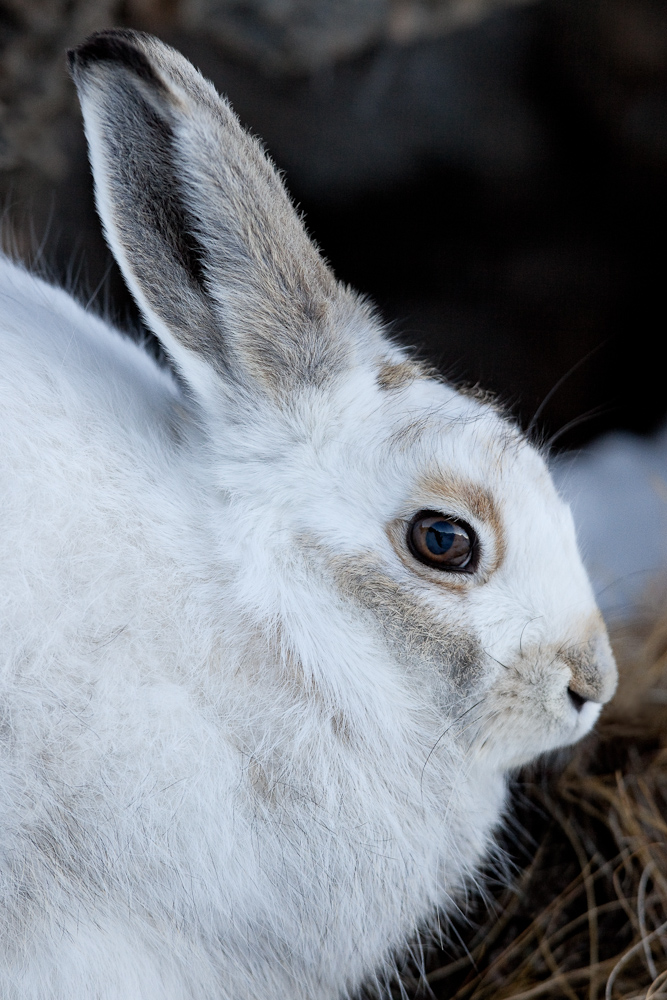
pixel 497 187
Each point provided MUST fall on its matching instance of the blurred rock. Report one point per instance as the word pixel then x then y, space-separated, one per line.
pixel 368 123
pixel 615 53
pixel 303 36
pixel 34 90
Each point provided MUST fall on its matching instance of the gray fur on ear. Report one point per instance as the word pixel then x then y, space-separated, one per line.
pixel 201 224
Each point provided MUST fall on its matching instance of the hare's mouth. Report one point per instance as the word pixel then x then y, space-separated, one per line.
pixel 584 715
pixel 576 715
pixel 577 700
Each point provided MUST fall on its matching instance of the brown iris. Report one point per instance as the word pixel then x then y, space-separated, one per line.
pixel 442 542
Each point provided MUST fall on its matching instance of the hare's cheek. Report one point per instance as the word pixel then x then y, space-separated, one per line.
pixel 415 634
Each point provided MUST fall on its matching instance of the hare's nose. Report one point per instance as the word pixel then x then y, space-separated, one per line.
pixel 593 672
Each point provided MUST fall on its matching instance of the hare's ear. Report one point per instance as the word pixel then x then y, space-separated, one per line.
pixel 201 224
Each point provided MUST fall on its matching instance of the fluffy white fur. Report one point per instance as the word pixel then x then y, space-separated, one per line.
pixel 248 744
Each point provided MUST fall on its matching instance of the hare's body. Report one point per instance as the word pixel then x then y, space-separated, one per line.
pixel 249 740
pixel 169 795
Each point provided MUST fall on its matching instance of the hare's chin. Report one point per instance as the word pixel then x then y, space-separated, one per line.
pixel 570 728
pixel 576 725
pixel 585 718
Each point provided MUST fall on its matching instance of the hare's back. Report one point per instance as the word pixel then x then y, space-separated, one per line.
pixel 60 360
pixel 95 475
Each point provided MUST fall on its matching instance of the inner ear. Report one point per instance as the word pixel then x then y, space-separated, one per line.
pixel 161 203
pixel 170 213
pixel 139 196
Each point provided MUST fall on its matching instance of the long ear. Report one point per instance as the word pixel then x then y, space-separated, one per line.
pixel 201 224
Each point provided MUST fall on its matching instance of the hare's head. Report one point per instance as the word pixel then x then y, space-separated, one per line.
pixel 402 538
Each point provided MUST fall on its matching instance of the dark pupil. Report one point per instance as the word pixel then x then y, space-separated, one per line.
pixel 440 537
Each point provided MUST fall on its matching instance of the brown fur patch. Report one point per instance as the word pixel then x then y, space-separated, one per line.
pixel 408 626
pixel 473 498
pixel 481 395
pixel 340 727
pixel 591 664
pixel 396 375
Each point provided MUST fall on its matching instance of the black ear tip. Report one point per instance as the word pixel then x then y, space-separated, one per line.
pixel 119 46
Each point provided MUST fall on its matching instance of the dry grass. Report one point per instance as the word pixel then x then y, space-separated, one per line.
pixel 586 916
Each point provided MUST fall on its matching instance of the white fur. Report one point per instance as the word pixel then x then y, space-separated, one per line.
pixel 220 774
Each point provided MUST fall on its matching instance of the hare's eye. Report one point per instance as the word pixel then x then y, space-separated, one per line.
pixel 442 542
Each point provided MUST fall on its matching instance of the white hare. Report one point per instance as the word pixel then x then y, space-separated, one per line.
pixel 273 629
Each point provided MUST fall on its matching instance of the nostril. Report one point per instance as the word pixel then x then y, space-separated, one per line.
pixel 577 700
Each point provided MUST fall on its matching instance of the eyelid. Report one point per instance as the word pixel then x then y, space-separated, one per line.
pixel 487 525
